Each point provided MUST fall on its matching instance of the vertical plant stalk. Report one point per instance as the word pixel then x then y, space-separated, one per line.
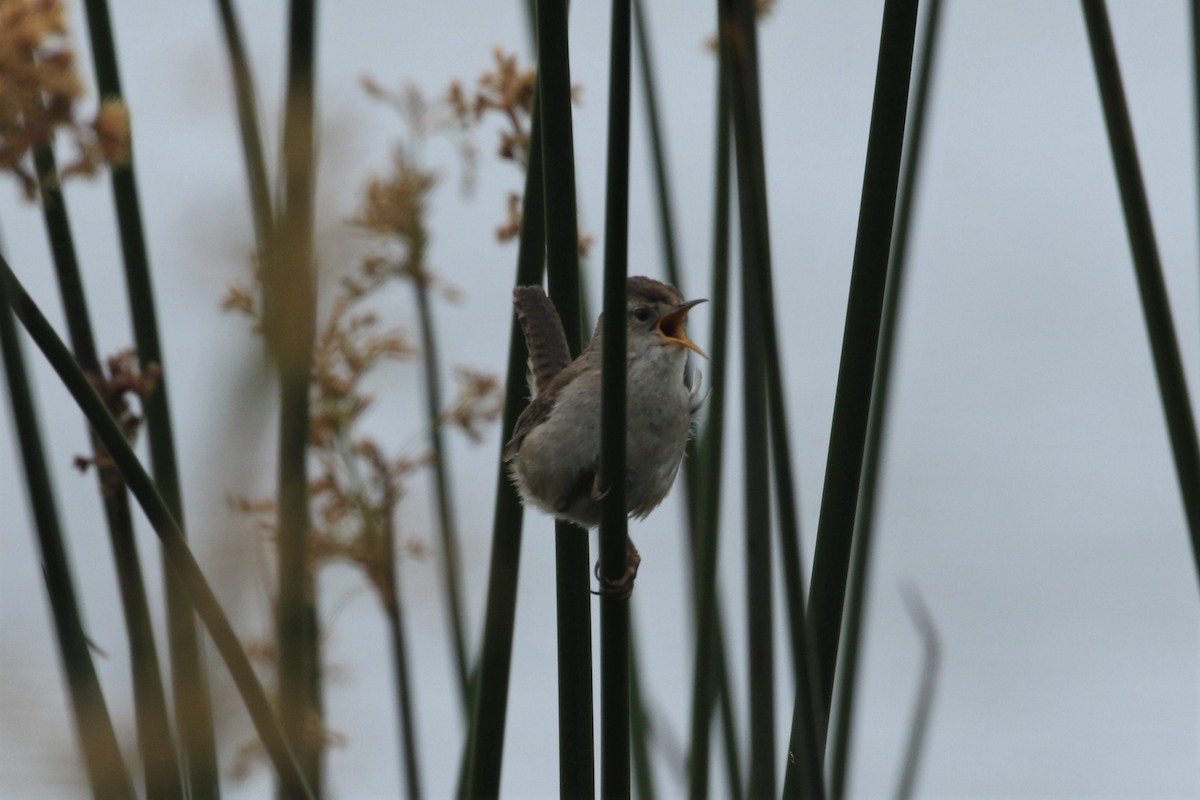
pixel 1168 365
pixel 864 526
pixel 1194 13
pixel 292 285
pixel 441 479
pixel 572 573
pixel 709 678
pixel 614 523
pixel 738 34
pixel 179 557
pixel 860 341
pixel 190 685
pixel 666 226
pixel 695 463
pixel 156 744
pixel 640 729
pixel 393 609
pixel 247 111
pixel 107 774
pixel 930 667
pixel 485 742
pixel 658 158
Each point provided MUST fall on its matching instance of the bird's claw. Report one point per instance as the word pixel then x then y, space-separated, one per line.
pixel 621 588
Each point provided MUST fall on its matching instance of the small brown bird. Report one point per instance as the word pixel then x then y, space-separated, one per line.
pixel 554 452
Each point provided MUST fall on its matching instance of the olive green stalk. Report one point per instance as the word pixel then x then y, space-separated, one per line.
pixel 292 286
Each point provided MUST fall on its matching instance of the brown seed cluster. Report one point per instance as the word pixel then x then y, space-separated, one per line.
pixel 506 91
pixel 39 91
pixel 123 382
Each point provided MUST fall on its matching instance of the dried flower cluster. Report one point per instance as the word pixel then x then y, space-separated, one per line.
pixel 123 381
pixel 480 401
pixel 39 91
pixel 395 207
pixel 507 90
pixel 356 487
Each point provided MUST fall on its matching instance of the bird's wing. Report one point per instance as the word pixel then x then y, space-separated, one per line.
pixel 537 411
pixel 540 407
pixel 544 338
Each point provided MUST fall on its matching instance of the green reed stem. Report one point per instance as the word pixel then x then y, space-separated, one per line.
pixel 614 523
pixel 485 744
pixel 247 111
pixel 922 708
pixel 658 158
pixel 640 729
pixel 179 557
pixel 738 33
pixel 160 760
pixel 107 774
pixel 393 610
pixel 1194 15
pixel 860 341
pixel 709 679
pixel 447 527
pixel 191 694
pixel 1168 365
pixel 575 736
pixel 864 526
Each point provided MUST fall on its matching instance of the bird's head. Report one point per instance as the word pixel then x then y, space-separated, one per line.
pixel 657 311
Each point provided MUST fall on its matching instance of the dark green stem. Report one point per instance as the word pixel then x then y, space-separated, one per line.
pixel 709 679
pixel 179 557
pixel 394 611
pixel 572 570
pixel 192 704
pixel 247 109
pixel 860 342
pixel 156 744
pixel 738 33
pixel 923 707
pixel 614 524
pixel 106 770
pixel 662 189
pixel 441 484
pixel 1168 366
pixel 864 526
pixel 485 743
pixel 640 730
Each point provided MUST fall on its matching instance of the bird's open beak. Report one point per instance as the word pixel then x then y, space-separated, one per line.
pixel 671 326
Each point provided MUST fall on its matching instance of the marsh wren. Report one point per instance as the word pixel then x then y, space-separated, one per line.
pixel 554 453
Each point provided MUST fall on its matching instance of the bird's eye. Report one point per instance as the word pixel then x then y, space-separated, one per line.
pixel 641 313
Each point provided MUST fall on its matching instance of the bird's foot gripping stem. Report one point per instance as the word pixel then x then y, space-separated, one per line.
pixel 622 587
